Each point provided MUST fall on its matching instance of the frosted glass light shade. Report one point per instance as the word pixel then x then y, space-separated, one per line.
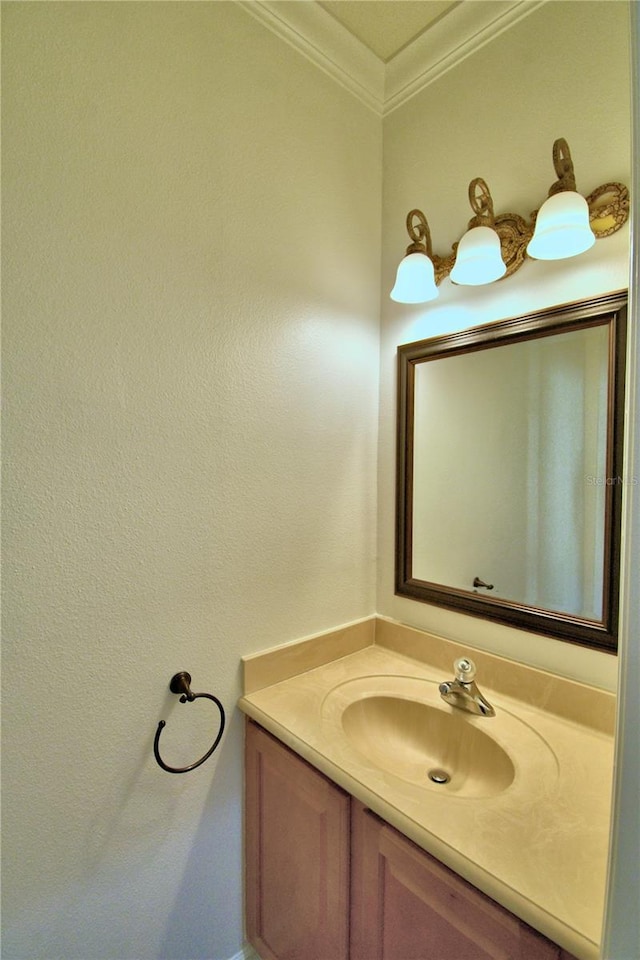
pixel 479 258
pixel 562 228
pixel 415 280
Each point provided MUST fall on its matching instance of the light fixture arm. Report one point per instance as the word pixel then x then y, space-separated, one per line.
pixel 563 165
pixel 481 203
pixel 419 233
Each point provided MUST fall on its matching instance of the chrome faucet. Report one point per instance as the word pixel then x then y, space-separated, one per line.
pixel 463 692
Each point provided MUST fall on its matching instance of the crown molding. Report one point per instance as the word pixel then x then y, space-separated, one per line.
pixel 318 36
pixel 453 38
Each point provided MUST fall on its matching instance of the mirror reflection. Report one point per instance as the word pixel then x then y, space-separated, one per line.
pixel 508 470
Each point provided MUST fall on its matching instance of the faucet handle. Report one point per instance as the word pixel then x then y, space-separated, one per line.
pixel 465 669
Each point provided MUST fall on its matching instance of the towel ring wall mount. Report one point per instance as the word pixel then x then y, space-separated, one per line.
pixel 181 684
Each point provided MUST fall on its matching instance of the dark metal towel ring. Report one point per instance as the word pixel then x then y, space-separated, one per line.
pixel 180 683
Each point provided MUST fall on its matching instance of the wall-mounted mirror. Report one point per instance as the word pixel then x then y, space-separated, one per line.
pixel 509 470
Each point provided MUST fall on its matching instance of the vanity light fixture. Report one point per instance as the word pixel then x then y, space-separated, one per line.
pixel 497 246
pixel 562 226
pixel 415 280
pixel 479 257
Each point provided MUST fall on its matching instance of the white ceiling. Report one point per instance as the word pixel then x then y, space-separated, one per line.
pixel 385 51
pixel 387 26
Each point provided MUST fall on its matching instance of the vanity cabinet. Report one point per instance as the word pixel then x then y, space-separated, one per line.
pixel 296 854
pixel 326 879
pixel 405 905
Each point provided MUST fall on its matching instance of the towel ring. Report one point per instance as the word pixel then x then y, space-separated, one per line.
pixel 180 683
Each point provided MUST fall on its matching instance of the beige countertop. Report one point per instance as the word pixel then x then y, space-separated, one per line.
pixel 539 846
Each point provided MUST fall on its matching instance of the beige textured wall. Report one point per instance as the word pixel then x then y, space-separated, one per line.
pixel 496 116
pixel 192 230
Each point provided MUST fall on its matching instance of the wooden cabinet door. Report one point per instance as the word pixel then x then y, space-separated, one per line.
pixel 297 855
pixel 407 906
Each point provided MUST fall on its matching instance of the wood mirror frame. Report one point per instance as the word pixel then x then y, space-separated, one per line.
pixel 600 633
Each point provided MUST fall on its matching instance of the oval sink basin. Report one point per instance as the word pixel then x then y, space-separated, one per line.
pixel 428 746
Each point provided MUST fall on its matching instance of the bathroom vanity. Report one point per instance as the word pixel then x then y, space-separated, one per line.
pixel 354 851
pixel 327 879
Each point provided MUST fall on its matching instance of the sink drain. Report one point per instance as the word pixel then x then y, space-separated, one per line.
pixel 439 776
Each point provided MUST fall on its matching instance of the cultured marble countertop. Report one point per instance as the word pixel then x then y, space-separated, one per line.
pixel 538 847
